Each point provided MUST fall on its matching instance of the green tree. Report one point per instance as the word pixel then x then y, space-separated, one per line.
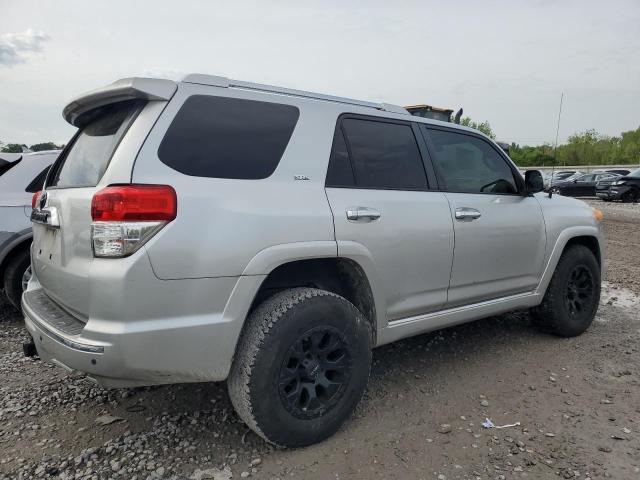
pixel 630 146
pixel 39 147
pixel 484 127
pixel 13 148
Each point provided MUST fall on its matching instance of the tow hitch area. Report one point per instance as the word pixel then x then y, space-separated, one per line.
pixel 29 349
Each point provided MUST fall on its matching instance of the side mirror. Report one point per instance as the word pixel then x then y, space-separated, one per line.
pixel 533 182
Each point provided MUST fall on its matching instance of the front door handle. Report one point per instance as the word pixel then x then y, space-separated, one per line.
pixel 362 214
pixel 466 214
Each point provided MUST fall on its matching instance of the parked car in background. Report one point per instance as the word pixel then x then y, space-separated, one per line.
pixel 21 175
pixel 184 259
pixel 552 177
pixel 581 186
pixel 619 171
pixel 625 188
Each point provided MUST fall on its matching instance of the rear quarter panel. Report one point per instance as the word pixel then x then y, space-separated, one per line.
pixel 223 223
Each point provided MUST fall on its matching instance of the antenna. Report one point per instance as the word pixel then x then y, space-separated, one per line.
pixel 555 148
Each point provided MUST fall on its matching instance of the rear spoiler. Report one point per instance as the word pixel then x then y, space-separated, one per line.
pixel 121 90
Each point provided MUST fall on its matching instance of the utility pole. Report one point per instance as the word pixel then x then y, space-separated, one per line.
pixel 555 148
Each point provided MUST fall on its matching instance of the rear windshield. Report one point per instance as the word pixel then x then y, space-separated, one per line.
pixel 84 162
pixel 221 137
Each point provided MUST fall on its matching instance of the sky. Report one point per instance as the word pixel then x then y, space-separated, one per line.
pixel 507 62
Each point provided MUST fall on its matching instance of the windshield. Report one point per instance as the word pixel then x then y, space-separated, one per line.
pixel 87 158
pixel 635 173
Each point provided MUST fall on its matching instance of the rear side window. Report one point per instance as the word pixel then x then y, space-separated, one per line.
pixel 38 182
pixel 382 155
pixel 84 162
pixel 340 173
pixel 221 137
pixel 468 164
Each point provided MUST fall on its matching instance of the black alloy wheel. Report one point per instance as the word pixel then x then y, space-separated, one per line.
pixel 580 289
pixel 315 372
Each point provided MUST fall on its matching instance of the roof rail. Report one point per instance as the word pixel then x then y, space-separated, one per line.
pixel 225 82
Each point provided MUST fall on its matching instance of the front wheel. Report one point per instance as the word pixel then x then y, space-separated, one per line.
pixel 632 196
pixel 301 366
pixel 571 300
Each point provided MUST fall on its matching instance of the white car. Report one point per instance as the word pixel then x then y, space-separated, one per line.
pixel 21 175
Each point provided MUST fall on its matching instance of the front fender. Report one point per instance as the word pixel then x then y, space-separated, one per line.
pixel 561 242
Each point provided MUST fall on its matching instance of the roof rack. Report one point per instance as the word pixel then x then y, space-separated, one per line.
pixel 225 82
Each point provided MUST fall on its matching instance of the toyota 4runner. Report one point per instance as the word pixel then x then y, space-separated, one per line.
pixel 212 229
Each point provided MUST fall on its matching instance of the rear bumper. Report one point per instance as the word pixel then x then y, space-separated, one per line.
pixel 128 352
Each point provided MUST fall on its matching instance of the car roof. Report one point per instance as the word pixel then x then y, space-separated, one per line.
pixel 163 89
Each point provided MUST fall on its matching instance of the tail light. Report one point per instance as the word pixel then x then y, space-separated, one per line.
pixel 125 217
pixel 34 199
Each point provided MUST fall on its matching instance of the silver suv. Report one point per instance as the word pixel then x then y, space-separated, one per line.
pixel 212 229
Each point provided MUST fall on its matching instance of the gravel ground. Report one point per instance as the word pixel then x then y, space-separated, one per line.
pixel 577 402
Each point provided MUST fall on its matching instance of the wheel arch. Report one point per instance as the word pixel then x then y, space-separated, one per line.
pixel 589 237
pixel 19 244
pixel 340 275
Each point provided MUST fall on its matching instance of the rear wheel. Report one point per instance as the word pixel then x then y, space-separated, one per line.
pixel 302 365
pixel 571 301
pixel 16 275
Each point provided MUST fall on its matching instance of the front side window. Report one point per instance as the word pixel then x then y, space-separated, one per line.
pixel 587 178
pixel 468 164
pixel 87 158
pixel 220 137
pixel 382 155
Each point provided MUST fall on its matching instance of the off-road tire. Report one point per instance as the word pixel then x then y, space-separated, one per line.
pixel 13 277
pixel 269 334
pixel 555 314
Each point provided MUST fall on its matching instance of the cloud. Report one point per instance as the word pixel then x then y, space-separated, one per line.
pixel 17 48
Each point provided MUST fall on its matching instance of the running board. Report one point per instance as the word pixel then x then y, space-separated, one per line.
pixel 410 326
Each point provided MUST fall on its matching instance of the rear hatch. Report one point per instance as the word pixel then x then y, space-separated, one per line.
pixel 62 253
pixel 113 123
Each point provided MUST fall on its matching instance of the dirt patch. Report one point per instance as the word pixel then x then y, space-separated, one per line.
pixel 577 402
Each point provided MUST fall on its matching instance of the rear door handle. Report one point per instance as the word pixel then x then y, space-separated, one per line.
pixel 467 214
pixel 362 214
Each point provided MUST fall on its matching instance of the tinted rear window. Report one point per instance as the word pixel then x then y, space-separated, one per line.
pixel 87 158
pixel 222 137
pixel 340 173
pixel 384 155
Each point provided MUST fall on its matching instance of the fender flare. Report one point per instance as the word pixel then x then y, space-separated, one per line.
pixel 563 239
pixel 18 238
pixel 267 260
